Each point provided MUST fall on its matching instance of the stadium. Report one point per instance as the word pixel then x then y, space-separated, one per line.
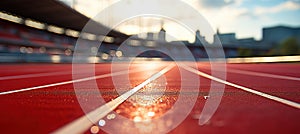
pixel 65 72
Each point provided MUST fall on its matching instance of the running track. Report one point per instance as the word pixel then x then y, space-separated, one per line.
pixel 40 98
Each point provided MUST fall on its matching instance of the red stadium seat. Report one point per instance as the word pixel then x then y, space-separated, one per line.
pixel 9 36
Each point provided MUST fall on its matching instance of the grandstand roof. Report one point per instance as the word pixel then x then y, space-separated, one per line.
pixel 54 13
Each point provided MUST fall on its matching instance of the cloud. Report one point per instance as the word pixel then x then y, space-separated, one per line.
pixel 285 6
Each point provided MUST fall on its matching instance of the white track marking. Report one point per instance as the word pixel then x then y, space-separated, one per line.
pixel 33 75
pixel 83 123
pixel 264 59
pixel 263 74
pixel 69 82
pixel 271 97
pixel 37 75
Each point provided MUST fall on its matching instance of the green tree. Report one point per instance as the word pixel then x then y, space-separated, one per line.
pixel 289 47
pixel 274 51
pixel 244 52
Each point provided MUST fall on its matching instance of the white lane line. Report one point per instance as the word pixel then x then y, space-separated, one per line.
pixel 253 73
pixel 70 82
pixel 83 123
pixel 38 75
pixel 33 75
pixel 271 97
pixel 263 74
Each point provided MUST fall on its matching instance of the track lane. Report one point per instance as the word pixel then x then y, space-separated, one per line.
pixel 281 87
pixel 55 79
pixel 239 112
pixel 27 69
pixel 43 111
pixel 285 69
pixel 85 122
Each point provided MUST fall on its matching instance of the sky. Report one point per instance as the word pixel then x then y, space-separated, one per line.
pixel 246 18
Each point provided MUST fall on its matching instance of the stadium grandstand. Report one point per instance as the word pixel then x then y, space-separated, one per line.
pixel 45 31
pixel 48 30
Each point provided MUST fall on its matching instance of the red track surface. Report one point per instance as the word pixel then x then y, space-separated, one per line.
pixel 47 109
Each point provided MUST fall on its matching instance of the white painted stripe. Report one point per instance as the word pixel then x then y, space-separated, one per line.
pixel 264 59
pixel 271 97
pixel 69 82
pixel 39 74
pixel 33 75
pixel 263 74
pixel 83 123
pixel 238 71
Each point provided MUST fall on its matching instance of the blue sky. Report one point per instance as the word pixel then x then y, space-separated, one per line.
pixel 244 17
pixel 265 3
pixel 252 15
pixel 284 16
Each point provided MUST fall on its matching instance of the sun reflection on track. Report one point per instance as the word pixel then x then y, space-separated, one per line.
pixel 152 101
pixel 149 94
pixel 141 113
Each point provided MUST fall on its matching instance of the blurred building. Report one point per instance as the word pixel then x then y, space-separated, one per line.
pixel 275 35
pixel 162 35
pixel 150 36
pixel 199 39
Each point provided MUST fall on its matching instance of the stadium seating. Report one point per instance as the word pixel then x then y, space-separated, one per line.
pixel 20 36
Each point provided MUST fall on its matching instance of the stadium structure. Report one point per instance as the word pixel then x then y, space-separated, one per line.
pixel 47 31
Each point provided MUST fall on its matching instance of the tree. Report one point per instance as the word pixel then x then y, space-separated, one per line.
pixel 244 52
pixel 289 47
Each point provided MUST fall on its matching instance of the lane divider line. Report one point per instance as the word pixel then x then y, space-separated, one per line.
pixel 83 123
pixel 263 74
pixel 254 73
pixel 22 76
pixel 264 59
pixel 33 75
pixel 265 95
pixel 70 82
